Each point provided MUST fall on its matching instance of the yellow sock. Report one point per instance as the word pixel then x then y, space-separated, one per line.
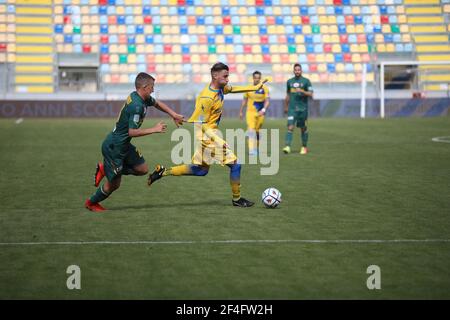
pixel 236 190
pixel 178 170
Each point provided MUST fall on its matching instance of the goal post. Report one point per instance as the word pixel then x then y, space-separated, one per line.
pixel 428 79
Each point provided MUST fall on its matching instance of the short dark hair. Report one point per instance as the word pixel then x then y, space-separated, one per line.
pixel 297 65
pixel 142 79
pixel 219 66
pixel 257 72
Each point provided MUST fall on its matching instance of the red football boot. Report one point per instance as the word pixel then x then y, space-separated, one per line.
pixel 95 207
pixel 99 173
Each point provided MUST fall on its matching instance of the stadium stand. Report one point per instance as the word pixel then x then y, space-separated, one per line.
pixel 179 39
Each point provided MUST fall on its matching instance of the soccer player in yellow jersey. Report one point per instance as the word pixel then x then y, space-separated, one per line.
pixel 257 103
pixel 210 146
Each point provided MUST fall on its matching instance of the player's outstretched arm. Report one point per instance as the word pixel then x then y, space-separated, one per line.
pixel 241 111
pixel 158 128
pixel 177 118
pixel 241 89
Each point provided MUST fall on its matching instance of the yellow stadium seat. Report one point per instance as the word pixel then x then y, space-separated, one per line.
pixel 301 48
pixel 307 29
pixel 335 38
pixel 379 38
pixel 386 28
pixel 277 11
pixel 120 10
pixel 321 11
pixel 350 77
pixel 350 28
pixel 314 77
pixel 333 29
pixel 360 28
pixel 296 20
pixel 356 10
pixel 406 37
pixel 331 19
pixel 381 47
pixel 354 48
pixel 320 58
pixel 323 20
pixel 113 58
pixel 329 58
pixel 58 10
pixel 276 58
pixel 336 48
pixel 404 28
pixel 340 67
pixel 400 9
pixel 295 11
pixel 390 47
pixel 324 29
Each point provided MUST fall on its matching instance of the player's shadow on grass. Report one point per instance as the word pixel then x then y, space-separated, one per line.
pixel 169 204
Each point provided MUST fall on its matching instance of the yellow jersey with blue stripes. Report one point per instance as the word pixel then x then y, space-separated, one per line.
pixel 256 99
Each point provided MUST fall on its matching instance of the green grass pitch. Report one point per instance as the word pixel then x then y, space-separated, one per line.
pixel 362 180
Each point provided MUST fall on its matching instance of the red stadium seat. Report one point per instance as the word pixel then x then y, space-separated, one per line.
pixel 86 48
pixel 284 58
pixel 112 19
pixel 104 58
pixel 115 78
pixel 282 39
pixel 181 2
pixel 267 58
pixel 204 58
pixel 148 20
pixel 384 19
pixel 365 57
pixel 327 47
pixel 2 47
pixel 337 2
pixel 264 39
pixel 233 68
pixel 186 58
pixel 66 19
pixel 270 20
pixel 123 39
pixel 231 58
pixel 167 48
pixel 323 77
pixel 151 68
pixel 347 57
pixel 103 2
pixel 343 38
pixel 104 39
pixel 311 57
pixel 247 48
pixel 313 67
pixel 305 20
pixel 361 38
pixel 349 20
pixel 192 20
pixel 197 78
pixel 202 39
pixel 150 58
pixel 259 2
pixel 226 20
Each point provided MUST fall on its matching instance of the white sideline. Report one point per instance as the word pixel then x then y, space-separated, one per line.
pixel 144 242
pixel 445 139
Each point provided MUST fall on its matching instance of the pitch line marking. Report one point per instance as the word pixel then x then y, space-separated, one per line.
pixel 336 241
pixel 445 139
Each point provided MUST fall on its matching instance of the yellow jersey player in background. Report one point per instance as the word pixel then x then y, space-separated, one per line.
pixel 257 103
pixel 211 147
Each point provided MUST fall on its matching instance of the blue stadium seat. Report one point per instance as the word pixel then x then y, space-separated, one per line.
pixel 338 10
pixel 331 67
pixel 298 29
pixel 383 10
pixel 265 49
pixel 279 20
pixel 184 29
pixel 76 38
pixel 408 47
pixel 68 38
pixel 397 38
pixel 305 67
pixel 225 11
pixel 312 10
pixel 129 20
pixel 238 49
pixel 120 20
pixel 149 39
pixel 141 67
pixel 314 19
pixel 388 38
pixel 393 19
pixel 185 49
pixel 340 20
pixel 338 57
pixel 251 11
pixel 317 38
pixel 58 28
pixel 358 20
pixel 139 29
pixel 391 10
pixel 182 20
pixel 229 40
pixel 345 48
pixel 291 39
pixel 234 11
pixel 219 29
pixel 201 20
pixel 348 67
pixel 103 19
pixel 156 20
pixel 310 48
pixel 181 11
pixel 347 10
pixel 370 38
pixel 352 38
pixel 342 29
pixel 273 39
pixel 304 11
pixel 399 47
pixel 111 10
pixel 158 48
pixel 302 59
pixel 158 38
pixel 104 29
pixel 288 22
pixel 308 39
pixel 260 11
pixel 318 48
pixel 102 10
pixel 211 39
pixel 345 2
pixel 262 20
pixel 329 10
pixel 377 28
pixel 104 68
pixel 262 30
pixel 131 40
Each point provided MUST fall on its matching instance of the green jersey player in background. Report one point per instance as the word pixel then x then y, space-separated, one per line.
pixel 298 90
pixel 120 157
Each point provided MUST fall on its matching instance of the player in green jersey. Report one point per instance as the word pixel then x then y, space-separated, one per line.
pixel 298 90
pixel 120 157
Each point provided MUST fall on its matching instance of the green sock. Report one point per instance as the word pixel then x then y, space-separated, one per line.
pixel 99 195
pixel 288 138
pixel 305 136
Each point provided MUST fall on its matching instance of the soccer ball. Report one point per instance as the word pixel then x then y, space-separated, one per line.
pixel 271 198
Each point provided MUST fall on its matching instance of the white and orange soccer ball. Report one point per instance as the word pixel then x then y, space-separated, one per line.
pixel 271 198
